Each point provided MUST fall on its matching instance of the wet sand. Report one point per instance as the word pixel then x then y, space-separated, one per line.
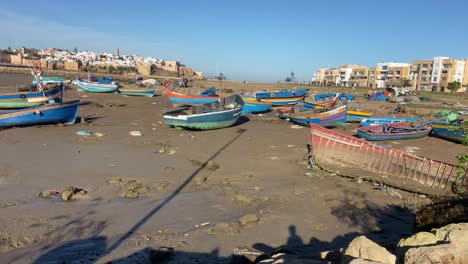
pixel 184 205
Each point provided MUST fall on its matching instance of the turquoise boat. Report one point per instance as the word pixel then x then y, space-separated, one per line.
pixel 53 113
pixel 221 114
pixel 50 80
pixel 137 91
pixel 95 87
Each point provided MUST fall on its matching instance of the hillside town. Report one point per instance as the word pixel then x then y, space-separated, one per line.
pixel 437 74
pixel 54 58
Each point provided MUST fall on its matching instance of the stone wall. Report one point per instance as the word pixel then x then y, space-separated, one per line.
pixel 5 58
pixel 185 72
pixel 144 69
pixel 16 59
pixel 72 65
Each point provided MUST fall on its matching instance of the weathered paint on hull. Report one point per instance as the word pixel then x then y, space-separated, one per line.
pixel 133 93
pixel 355 118
pixel 47 114
pixel 96 88
pixel 454 132
pixel 201 125
pixel 19 104
pixel 391 137
pixel 361 159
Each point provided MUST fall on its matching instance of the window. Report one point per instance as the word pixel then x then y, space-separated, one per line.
pixel 424 65
pixel 434 79
pixel 384 68
pixel 423 78
pixel 443 78
pixel 444 71
pixel 398 72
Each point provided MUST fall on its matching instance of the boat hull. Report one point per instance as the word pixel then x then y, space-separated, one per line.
pixel 138 92
pixel 178 99
pixel 357 158
pixel 319 97
pixel 96 87
pixel 357 116
pixel 375 133
pixel 375 121
pixel 50 80
pixel 332 118
pixel 47 114
pixel 28 99
pixel 210 116
pixel 283 101
pixel 282 94
pixel 252 105
pixel 453 132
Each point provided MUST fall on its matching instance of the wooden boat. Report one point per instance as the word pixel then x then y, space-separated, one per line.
pixel 394 131
pixel 220 114
pixel 137 91
pixel 50 80
pixel 282 94
pixel 319 97
pixel 357 158
pixel 52 113
pixel 95 87
pixel 252 105
pixel 335 117
pixel 209 92
pixel 357 116
pixel 179 99
pixel 455 131
pixel 283 101
pixel 375 121
pixel 29 98
pixel 279 98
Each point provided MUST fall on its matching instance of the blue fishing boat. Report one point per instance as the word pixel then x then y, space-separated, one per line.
pixel 394 131
pixel 455 131
pixel 53 113
pixel 50 80
pixel 222 113
pixel 29 96
pixel 209 92
pixel 375 121
pixel 252 105
pixel 179 99
pixel 282 94
pixel 319 97
pixel 95 87
pixel 330 118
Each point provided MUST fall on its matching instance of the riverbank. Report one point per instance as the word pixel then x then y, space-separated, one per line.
pixel 198 194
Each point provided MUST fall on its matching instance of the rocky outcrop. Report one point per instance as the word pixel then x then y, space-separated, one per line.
pixel 448 244
pixel 416 240
pixel 443 253
pixel 363 248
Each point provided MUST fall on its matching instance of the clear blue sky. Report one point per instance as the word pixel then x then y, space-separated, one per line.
pixel 250 40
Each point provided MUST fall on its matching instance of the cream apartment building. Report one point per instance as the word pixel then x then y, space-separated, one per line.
pixel 431 75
